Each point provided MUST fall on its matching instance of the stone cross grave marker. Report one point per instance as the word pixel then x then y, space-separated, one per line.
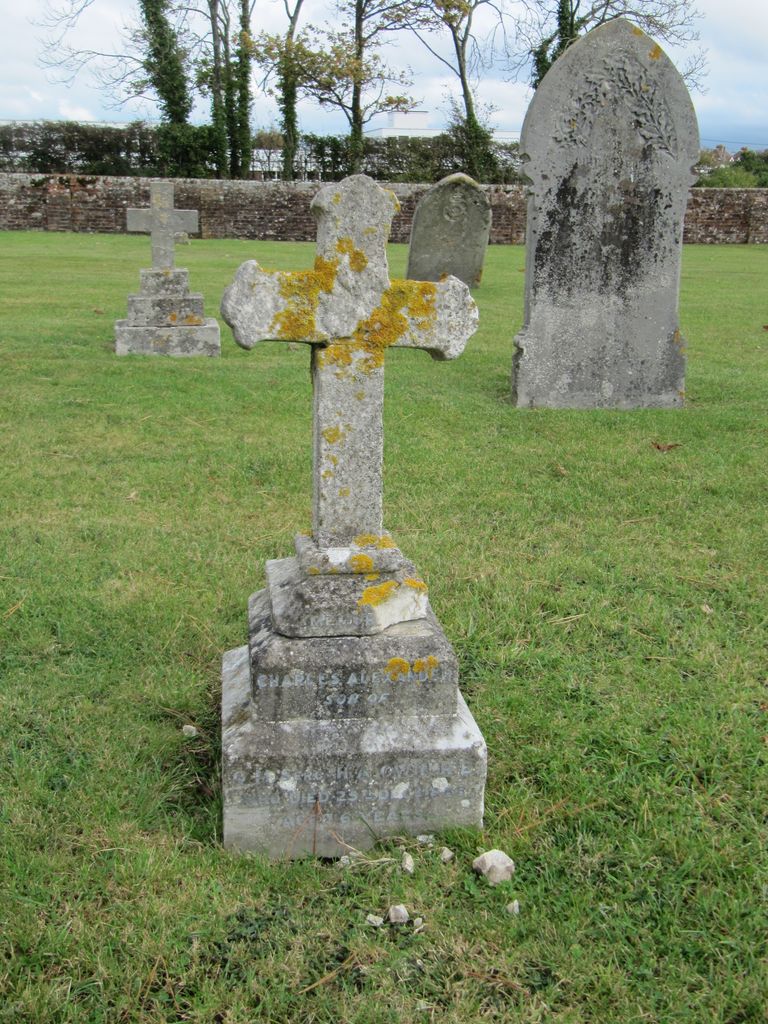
pixel 162 222
pixel 609 143
pixel 342 720
pixel 450 231
pixel 165 318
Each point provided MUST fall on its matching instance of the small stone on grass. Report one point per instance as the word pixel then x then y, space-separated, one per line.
pixel 407 864
pixel 374 920
pixel 513 908
pixel 190 731
pixel 446 855
pixel 495 866
pixel 397 914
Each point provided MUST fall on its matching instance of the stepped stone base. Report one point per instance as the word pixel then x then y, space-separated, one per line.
pixel 373 740
pixel 202 339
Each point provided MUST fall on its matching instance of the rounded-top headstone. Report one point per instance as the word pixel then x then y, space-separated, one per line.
pixel 609 143
pixel 450 231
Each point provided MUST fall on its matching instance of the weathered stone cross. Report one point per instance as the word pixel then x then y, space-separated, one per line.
pixel 162 222
pixel 350 312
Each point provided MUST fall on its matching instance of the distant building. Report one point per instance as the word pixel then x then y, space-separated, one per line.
pixel 415 124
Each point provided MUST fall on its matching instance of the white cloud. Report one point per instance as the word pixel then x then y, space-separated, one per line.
pixel 73 112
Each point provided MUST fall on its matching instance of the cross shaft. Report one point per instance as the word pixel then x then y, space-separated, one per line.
pixel 350 312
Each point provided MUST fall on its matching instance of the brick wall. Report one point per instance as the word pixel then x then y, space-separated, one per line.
pixel 278 210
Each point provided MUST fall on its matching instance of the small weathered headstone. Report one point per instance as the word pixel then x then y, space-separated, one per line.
pixel 341 720
pixel 609 142
pixel 450 230
pixel 165 318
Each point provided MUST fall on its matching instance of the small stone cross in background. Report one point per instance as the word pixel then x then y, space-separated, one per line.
pixel 165 318
pixel 162 222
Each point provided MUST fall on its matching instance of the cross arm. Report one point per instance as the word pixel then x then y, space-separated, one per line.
pixel 264 305
pixel 138 220
pixel 438 317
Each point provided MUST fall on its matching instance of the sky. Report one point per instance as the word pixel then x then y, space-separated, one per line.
pixel 732 109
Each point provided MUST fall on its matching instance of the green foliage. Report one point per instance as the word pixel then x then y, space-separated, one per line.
pixel 473 144
pixel 732 176
pixel 404 158
pixel 69 147
pixel 185 151
pixel 755 163
pixel 165 62
pixel 568 27
pixel 606 601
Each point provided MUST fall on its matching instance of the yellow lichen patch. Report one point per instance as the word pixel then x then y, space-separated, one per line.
pixel 637 31
pixel 366 540
pixel 372 576
pixel 415 584
pixel 192 320
pixel 313 571
pixel 327 474
pixel 301 290
pixel 336 354
pixel 343 492
pixel 336 198
pixel 403 303
pixel 359 395
pixel 358 261
pixel 173 317
pixel 397 667
pixel 378 595
pixel 656 52
pixel 333 435
pixel 427 665
pixel 385 541
pixel 361 563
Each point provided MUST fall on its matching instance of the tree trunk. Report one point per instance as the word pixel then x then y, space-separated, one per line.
pixel 218 112
pixel 356 143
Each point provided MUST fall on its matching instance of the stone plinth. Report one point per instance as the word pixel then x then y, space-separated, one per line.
pixel 165 318
pixel 331 744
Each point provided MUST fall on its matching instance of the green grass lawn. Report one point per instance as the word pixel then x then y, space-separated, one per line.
pixel 607 601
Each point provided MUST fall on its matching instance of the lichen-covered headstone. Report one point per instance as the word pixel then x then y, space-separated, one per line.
pixel 165 318
pixel 450 231
pixel 609 143
pixel 341 719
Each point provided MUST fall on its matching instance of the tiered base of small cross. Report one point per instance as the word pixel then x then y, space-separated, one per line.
pixel 165 318
pixel 331 742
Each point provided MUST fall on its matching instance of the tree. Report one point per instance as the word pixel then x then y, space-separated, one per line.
pixel 547 28
pixel 281 57
pixel 341 73
pixel 164 62
pixel 206 42
pixel 470 55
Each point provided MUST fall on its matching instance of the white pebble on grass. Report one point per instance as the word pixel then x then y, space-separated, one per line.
pixel 190 731
pixel 397 914
pixel 446 855
pixel 495 866
pixel 374 920
pixel 513 908
pixel 407 864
